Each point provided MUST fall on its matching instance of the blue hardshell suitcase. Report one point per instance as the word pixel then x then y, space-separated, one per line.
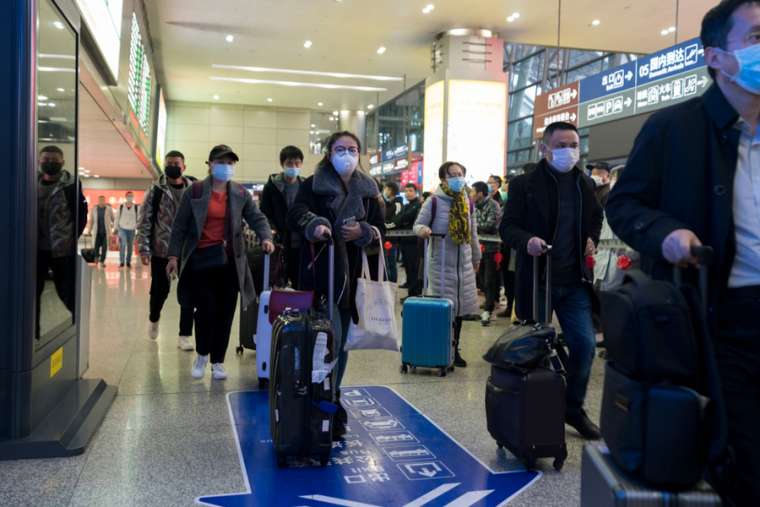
pixel 427 338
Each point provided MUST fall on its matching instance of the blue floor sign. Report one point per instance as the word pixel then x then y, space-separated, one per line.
pixel 392 456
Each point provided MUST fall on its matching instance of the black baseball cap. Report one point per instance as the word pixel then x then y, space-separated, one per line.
pixel 598 165
pixel 222 150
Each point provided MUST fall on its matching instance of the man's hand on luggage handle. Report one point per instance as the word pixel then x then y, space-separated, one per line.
pixel 536 247
pixel 322 233
pixel 267 246
pixel 425 232
pixel 677 247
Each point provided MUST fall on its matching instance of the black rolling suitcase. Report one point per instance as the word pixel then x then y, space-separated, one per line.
pixel 301 410
pixel 525 401
pixel 603 484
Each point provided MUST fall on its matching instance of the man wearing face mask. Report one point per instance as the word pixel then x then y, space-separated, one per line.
pixel 600 173
pixel 555 205
pixel 62 216
pixel 277 198
pixel 154 230
pixel 683 187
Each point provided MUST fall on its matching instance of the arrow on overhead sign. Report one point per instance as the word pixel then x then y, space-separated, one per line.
pixel 360 473
pixel 573 117
pixel 574 93
pixel 628 102
pixel 704 81
pixel 629 76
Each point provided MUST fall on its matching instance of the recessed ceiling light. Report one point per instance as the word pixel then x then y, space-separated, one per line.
pixel 458 31
pixel 664 32
pixel 58 25
pixel 307 44
pixel 371 107
pixel 269 99
pixel 51 104
pixel 596 22
pixel 61 90
pixel 41 97
pixel 216 97
pixel 313 126
pixel 230 38
pixel 311 132
pixel 671 29
pixel 299 84
pixel 320 104
pixel 381 50
pixel 486 33
pixel 513 17
pixel 341 75
pixel 335 113
pixel 428 9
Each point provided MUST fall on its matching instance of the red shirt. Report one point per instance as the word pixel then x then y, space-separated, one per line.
pixel 213 229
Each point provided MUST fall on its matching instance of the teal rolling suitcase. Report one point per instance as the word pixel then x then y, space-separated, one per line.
pixel 427 336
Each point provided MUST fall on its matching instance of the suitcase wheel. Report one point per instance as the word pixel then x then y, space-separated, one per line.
pixel 558 464
pixel 239 350
pixel 404 368
pixel 451 368
pixel 442 372
pixel 263 383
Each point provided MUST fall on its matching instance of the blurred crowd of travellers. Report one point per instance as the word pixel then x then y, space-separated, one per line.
pixel 702 186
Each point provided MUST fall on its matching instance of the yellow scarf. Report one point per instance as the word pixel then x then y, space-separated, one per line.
pixel 459 216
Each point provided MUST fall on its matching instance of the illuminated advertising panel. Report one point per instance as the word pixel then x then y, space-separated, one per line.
pixel 103 20
pixel 140 80
pixel 434 133
pixel 161 130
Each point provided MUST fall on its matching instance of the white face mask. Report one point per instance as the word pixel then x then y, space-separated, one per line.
pixel 345 163
pixel 564 159
pixel 597 180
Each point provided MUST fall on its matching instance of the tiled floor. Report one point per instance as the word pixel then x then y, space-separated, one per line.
pixel 168 438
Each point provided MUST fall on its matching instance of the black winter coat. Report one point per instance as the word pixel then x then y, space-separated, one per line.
pixel 404 221
pixel 323 199
pixel 275 207
pixel 531 210
pixel 680 175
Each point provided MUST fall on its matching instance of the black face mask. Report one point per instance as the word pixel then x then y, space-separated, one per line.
pixel 173 172
pixel 51 168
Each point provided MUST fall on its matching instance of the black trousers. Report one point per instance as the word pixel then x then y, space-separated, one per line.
pixel 293 265
pixel 508 278
pixel 215 293
pixel 160 286
pixel 737 348
pixel 457 331
pixel 101 246
pixel 410 253
pixel 491 279
pixel 64 278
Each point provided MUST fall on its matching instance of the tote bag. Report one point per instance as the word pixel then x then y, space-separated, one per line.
pixel 376 304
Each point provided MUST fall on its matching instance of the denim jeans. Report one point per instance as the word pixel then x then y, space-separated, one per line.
pixel 572 303
pixel 126 245
pixel 391 257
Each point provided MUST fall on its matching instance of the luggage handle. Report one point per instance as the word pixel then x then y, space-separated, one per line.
pixel 426 274
pixel 548 300
pixel 704 256
pixel 266 285
pixel 330 277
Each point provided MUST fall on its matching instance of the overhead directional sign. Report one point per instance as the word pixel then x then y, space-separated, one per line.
pixel 392 456
pixel 672 90
pixel 607 108
pixel 560 104
pixel 605 83
pixel 677 59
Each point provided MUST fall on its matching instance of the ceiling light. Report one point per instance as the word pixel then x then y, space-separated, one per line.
pixel 335 113
pixel 311 132
pixel 230 38
pixel 96 175
pixel 313 126
pixel 216 97
pixel 58 25
pixel 269 99
pixel 596 22
pixel 345 112
pixel 41 97
pixel 428 9
pixel 51 104
pixel 513 17
pixel 458 31
pixel 320 104
pixel 307 44
pixel 671 29
pixel 61 90
pixel 486 33
pixel 340 75
pixel 371 107
pixel 664 32
pixel 381 50
pixel 299 84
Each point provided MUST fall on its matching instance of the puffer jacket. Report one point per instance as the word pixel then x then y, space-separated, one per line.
pixel 156 242
pixel 488 217
pixel 68 215
pixel 458 273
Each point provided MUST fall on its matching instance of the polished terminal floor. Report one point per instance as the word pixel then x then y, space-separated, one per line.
pixel 168 438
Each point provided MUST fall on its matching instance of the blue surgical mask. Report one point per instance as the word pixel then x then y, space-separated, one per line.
pixel 223 172
pixel 292 172
pixel 748 76
pixel 345 163
pixel 456 184
pixel 564 159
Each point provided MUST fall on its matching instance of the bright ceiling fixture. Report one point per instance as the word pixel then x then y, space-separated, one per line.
pixel 299 84
pixel 458 31
pixel 335 113
pixel 340 75
pixel 313 126
pixel 269 99
pixel 230 38
pixel 61 90
pixel 381 50
pixel 665 31
pixel 320 104
pixel 307 44
pixel 216 97
pixel 513 17
pixel 96 175
pixel 428 9
pixel 41 97
pixel 58 25
pixel 596 22
pixel 371 107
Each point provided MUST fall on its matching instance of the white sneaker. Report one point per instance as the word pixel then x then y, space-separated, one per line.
pixel 485 318
pixel 199 366
pixel 185 343
pixel 217 371
pixel 153 330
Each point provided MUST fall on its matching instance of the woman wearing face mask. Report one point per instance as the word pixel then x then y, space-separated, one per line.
pixel 207 234
pixel 450 212
pixel 340 202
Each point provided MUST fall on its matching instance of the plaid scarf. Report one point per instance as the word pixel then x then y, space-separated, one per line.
pixel 459 216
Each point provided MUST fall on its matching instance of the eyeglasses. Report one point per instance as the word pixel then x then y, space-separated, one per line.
pixel 341 150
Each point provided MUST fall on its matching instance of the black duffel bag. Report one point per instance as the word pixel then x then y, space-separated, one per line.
pixel 523 346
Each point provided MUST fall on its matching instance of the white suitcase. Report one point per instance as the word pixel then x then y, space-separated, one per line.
pixel 264 330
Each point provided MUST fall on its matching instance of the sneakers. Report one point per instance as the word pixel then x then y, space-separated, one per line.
pixel 185 343
pixel 129 265
pixel 459 361
pixel 121 264
pixel 218 372
pixel 199 366
pixel 485 318
pixel 583 425
pixel 153 330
